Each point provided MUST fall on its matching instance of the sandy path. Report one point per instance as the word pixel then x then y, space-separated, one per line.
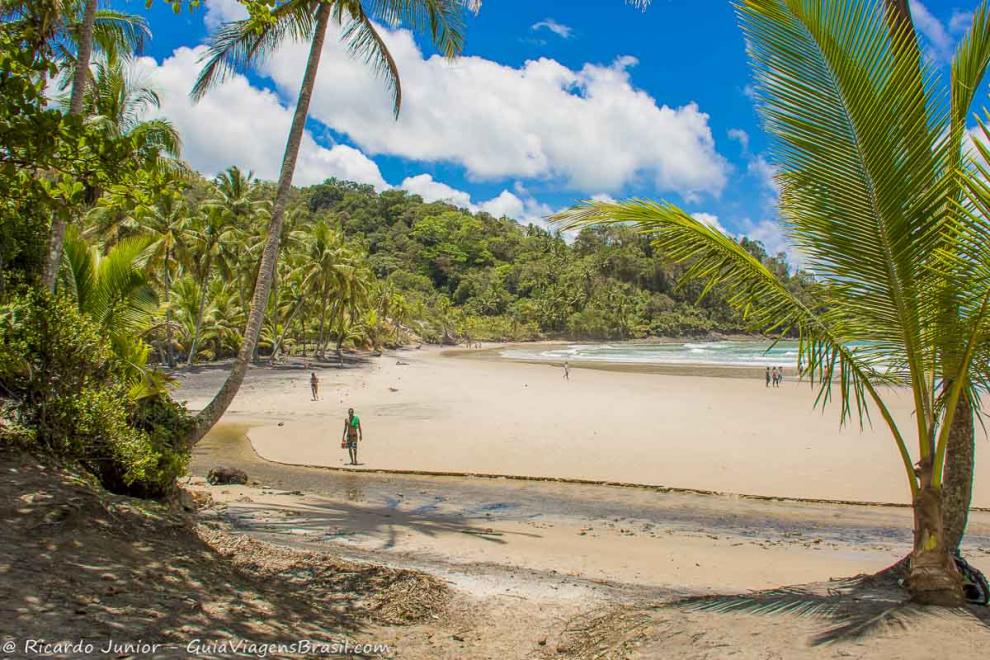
pixel 445 414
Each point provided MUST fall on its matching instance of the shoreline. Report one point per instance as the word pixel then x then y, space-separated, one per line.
pixel 698 369
pixel 431 414
pixel 589 482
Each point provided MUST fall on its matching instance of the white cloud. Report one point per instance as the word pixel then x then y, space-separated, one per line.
pixel 939 41
pixel 589 128
pixel 740 136
pixel 711 220
pixel 237 124
pixel 435 191
pixel 219 12
pixel 603 197
pixel 771 234
pixel 522 206
pixel 761 168
pixel 960 21
pixel 559 29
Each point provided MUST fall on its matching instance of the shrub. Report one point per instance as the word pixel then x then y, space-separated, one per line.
pixel 62 381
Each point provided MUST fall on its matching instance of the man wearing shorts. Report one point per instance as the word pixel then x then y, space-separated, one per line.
pixel 352 434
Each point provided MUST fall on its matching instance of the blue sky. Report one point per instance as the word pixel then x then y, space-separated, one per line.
pixel 553 102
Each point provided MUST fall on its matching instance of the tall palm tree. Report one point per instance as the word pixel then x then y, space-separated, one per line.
pixel 214 232
pixel 69 30
pixel 241 43
pixel 167 228
pixel 889 210
pixel 120 101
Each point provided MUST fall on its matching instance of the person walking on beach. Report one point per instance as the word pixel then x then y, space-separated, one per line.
pixel 314 386
pixel 768 376
pixel 780 377
pixel 352 434
pixel 567 371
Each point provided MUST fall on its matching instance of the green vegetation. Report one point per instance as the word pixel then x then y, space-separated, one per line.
pixel 880 193
pixel 116 260
pixel 155 266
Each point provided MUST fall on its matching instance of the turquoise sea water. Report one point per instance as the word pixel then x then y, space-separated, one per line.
pixel 748 353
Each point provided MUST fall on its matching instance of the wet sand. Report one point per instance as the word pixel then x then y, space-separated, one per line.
pixel 446 414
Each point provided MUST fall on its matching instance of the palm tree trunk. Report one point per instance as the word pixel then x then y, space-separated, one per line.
pixel 320 345
pixel 199 312
pixel 79 82
pixel 957 488
pixel 932 575
pixel 169 330
pixel 288 324
pixel 958 483
pixel 210 415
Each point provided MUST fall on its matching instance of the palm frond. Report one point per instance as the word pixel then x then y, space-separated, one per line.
pixel 969 66
pixel 825 354
pixel 239 44
pixel 363 41
pixel 443 20
pixel 119 33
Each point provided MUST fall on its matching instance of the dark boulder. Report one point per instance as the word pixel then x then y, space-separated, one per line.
pixel 221 475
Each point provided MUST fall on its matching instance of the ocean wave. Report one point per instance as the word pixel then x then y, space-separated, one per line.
pixel 738 353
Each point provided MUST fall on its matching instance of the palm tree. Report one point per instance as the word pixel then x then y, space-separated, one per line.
pixel 241 43
pixel 119 101
pixel 115 291
pixel 213 234
pixel 69 30
pixel 167 228
pixel 890 212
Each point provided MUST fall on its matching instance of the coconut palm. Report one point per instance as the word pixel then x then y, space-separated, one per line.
pixel 69 30
pixel 889 211
pixel 213 235
pixel 167 228
pixel 241 43
pixel 119 100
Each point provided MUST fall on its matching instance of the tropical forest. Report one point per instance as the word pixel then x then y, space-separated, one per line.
pixel 612 428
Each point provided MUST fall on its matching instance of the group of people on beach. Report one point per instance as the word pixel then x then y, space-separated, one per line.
pixel 775 376
pixel 353 433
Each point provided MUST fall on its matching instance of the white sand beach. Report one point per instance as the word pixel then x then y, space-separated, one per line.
pixel 532 561
pixel 440 413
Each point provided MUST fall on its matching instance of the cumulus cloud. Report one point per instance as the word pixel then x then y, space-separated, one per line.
pixel 559 29
pixel 589 129
pixel 435 191
pixel 238 124
pixel 711 220
pixel 518 205
pixel 219 12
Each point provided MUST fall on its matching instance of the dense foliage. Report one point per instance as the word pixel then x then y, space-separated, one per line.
pixel 370 270
pixel 74 377
pixel 70 398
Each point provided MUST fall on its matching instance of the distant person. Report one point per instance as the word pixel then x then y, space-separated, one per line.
pixel 352 434
pixel 768 376
pixel 773 376
pixel 314 386
pixel 567 371
pixel 780 376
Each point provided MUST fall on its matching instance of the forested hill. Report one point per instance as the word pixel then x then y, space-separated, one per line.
pixel 483 277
